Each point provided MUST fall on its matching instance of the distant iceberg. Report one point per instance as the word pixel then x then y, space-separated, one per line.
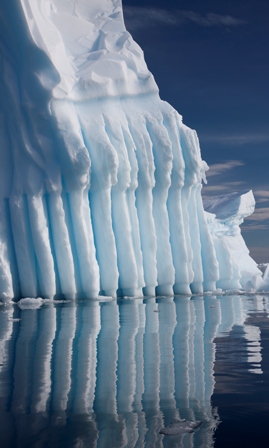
pixel 100 181
pixel 224 214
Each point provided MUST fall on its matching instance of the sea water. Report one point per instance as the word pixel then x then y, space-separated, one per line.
pixel 110 373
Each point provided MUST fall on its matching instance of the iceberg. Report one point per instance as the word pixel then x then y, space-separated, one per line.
pixel 100 185
pixel 224 214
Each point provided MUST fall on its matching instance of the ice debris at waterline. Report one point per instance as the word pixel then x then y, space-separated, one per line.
pixel 180 426
pixel 100 182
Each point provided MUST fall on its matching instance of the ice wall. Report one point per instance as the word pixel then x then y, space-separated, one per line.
pixel 100 180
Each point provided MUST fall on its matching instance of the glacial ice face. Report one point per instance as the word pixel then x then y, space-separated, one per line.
pixel 100 186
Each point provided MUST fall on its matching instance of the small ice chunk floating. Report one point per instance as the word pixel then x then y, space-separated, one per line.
pixel 100 181
pixel 180 426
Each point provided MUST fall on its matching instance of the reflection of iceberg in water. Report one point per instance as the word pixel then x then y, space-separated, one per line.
pixel 112 375
pixel 234 312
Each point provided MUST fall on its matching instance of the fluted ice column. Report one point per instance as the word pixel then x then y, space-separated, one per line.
pixel 191 361
pixel 151 405
pixel 194 362
pixel 167 323
pixel 162 153
pixel 183 276
pixel 227 320
pixel 104 166
pixel 63 357
pixel 252 335
pixel 198 279
pixel 144 198
pixel 85 358
pixel 240 315
pixel 199 351
pixel 105 404
pixel 23 247
pixel 24 361
pixel 8 265
pixel 6 333
pixel 139 361
pixel 204 260
pixel 126 371
pixel 139 357
pixel 42 373
pixel 121 220
pixel 8 338
pixel 234 311
pixel 107 347
pixel 57 210
pixel 203 410
pixel 212 321
pixel 210 260
pixel 181 353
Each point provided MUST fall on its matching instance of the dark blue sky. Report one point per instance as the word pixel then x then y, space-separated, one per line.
pixel 210 60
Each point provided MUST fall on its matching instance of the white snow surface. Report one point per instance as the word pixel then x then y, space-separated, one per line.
pixel 91 51
pixel 100 181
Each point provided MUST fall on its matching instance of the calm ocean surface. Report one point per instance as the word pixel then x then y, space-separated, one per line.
pixel 113 374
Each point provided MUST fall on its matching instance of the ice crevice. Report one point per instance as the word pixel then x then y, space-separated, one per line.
pixel 100 186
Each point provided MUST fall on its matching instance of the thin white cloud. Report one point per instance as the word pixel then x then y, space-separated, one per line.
pixel 260 214
pixel 261 200
pixel 251 227
pixel 218 168
pixel 139 17
pixel 261 196
pixel 259 220
pixel 223 189
pixel 236 140
pixel 215 175
pixel 211 19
